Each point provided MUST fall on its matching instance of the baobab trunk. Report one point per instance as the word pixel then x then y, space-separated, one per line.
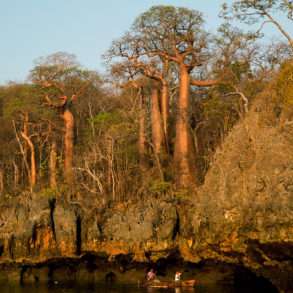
pixel 165 110
pixel 185 176
pixel 52 165
pixel 1 181
pixel 142 133
pixel 157 133
pixel 26 132
pixel 68 145
pixel 33 170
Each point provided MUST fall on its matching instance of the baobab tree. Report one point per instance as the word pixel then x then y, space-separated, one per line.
pixel 176 35
pixel 62 81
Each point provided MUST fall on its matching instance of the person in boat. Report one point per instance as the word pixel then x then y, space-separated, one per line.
pixel 151 275
pixel 178 276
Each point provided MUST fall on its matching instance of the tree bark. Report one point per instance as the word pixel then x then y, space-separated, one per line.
pixel 23 152
pixel 185 176
pixel 280 28
pixel 25 147
pixel 1 181
pixel 33 171
pixel 16 175
pixel 157 133
pixel 203 83
pixel 165 110
pixel 142 133
pixel 68 145
pixel 52 165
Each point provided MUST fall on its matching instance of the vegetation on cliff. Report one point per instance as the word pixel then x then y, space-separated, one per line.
pixel 180 91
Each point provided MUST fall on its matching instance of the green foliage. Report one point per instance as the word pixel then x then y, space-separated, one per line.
pixel 216 108
pixel 115 123
pixel 163 27
pixel 20 98
pixel 284 84
pixel 48 193
pixel 106 118
pixel 174 19
pixel 182 194
pixel 159 187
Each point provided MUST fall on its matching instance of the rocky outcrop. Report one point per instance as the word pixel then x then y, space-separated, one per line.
pixel 244 211
pixel 37 229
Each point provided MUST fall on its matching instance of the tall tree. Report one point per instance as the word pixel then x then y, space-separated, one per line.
pixel 177 35
pixel 62 80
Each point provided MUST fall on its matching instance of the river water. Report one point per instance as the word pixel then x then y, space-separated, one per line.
pixel 9 288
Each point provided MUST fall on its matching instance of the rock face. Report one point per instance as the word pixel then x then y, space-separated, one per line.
pixel 37 229
pixel 243 213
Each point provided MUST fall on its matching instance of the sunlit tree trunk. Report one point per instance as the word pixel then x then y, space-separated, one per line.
pixel 52 164
pixel 165 109
pixel 15 175
pixel 33 170
pixel 157 133
pixel 1 181
pixel 182 154
pixel 142 133
pixel 25 146
pixel 68 145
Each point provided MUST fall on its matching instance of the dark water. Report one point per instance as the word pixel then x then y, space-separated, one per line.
pixel 9 288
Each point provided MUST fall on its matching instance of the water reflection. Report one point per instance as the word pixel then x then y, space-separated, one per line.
pixel 87 289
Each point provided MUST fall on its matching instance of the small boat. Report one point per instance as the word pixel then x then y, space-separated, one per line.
pixel 170 284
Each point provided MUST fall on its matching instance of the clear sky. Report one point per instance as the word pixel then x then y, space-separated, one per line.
pixel 33 28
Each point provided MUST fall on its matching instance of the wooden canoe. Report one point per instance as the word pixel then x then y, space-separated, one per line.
pixel 171 284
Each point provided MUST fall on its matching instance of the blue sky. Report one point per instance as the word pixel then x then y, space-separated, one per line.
pixel 33 28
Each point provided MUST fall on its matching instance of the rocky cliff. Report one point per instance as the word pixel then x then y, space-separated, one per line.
pixel 244 211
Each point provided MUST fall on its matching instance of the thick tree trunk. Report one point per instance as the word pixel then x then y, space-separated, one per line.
pixel 52 165
pixel 68 145
pixel 142 134
pixel 165 110
pixel 1 181
pixel 185 176
pixel 157 133
pixel 25 146
pixel 33 170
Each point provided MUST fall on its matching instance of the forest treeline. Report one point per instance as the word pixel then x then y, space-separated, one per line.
pixel 172 93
